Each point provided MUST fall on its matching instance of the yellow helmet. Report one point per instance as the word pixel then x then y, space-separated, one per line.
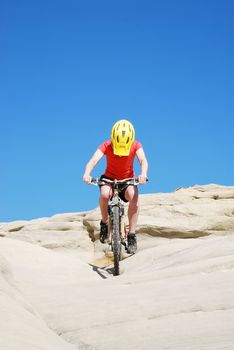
pixel 122 136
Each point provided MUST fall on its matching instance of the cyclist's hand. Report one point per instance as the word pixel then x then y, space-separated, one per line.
pixel 87 179
pixel 142 179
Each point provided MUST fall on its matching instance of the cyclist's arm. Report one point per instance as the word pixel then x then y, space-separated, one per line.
pixel 91 164
pixel 144 165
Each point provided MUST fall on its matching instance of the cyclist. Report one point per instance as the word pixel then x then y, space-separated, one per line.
pixel 120 152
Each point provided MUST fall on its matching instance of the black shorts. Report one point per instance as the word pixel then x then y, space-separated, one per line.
pixel 122 188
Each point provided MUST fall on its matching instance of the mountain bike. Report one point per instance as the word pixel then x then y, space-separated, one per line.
pixel 117 233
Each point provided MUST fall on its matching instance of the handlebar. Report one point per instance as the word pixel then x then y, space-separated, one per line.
pixel 103 181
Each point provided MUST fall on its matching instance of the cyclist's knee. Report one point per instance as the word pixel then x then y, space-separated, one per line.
pixel 105 192
pixel 131 194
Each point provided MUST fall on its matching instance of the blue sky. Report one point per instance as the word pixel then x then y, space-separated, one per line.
pixel 70 69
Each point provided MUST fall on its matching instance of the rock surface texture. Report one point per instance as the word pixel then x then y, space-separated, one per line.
pixel 57 290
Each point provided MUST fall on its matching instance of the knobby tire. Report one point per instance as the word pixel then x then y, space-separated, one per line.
pixel 116 242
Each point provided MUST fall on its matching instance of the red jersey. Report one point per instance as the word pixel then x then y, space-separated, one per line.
pixel 119 167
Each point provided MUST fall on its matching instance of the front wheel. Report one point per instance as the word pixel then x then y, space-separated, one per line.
pixel 116 239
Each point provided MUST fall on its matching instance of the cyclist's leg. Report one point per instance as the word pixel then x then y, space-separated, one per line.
pixel 105 194
pixel 131 195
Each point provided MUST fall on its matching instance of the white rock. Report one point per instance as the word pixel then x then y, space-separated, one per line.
pixel 173 293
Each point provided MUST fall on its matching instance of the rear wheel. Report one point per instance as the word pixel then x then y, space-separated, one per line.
pixel 116 240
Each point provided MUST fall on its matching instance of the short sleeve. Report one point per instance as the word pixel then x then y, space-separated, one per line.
pixel 138 145
pixel 103 147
